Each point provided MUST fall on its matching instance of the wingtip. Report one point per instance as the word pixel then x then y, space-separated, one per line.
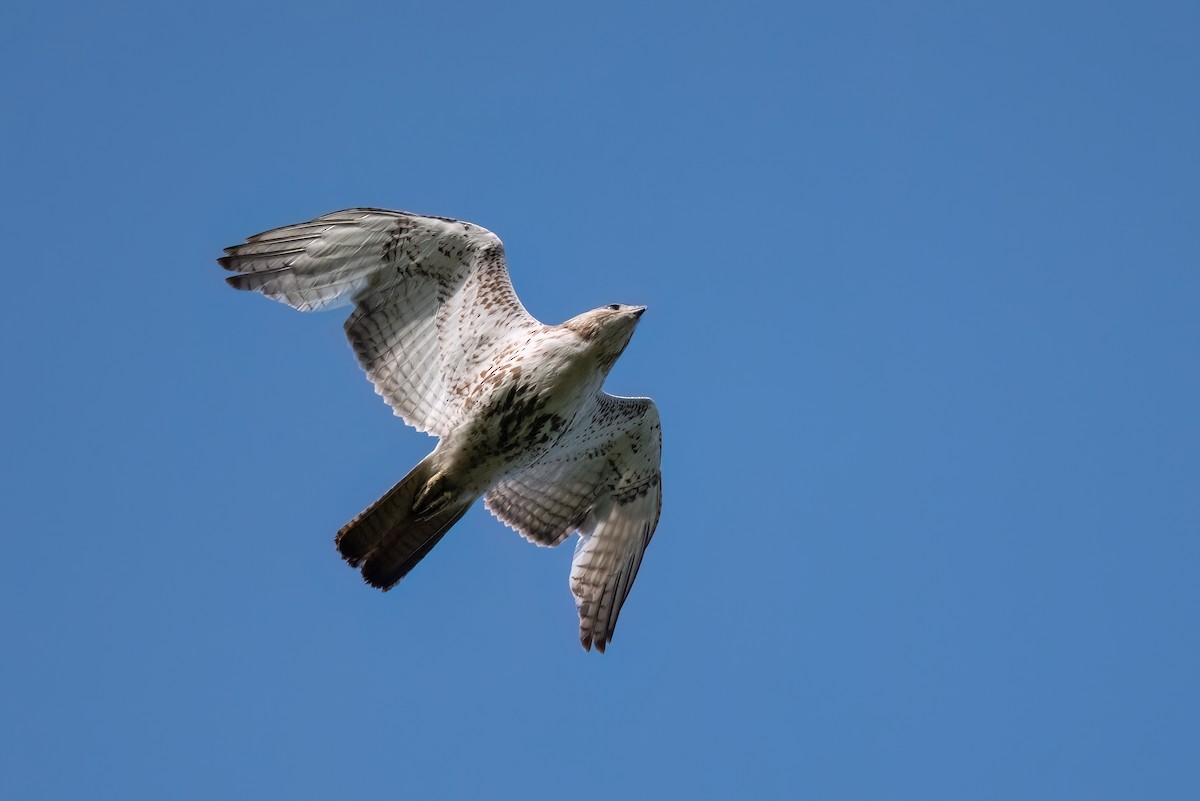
pixel 589 640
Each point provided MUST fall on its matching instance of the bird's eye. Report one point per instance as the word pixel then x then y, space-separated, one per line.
pixel 614 307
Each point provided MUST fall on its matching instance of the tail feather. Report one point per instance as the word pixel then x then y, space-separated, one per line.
pixel 387 540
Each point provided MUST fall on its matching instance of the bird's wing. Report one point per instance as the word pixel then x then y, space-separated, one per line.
pixel 603 479
pixel 432 297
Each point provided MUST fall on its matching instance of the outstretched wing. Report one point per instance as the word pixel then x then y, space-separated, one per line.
pixel 432 299
pixel 602 479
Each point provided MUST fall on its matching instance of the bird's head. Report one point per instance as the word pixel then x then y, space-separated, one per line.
pixel 607 329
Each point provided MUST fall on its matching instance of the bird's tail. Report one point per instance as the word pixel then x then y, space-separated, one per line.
pixel 389 537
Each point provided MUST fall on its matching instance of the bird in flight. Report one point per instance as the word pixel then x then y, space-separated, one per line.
pixel 517 405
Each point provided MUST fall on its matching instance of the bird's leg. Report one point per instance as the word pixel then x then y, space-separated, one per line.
pixel 433 497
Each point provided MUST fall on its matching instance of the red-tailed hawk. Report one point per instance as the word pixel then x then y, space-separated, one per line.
pixel 517 405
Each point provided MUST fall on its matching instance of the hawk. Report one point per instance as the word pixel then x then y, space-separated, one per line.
pixel 517 405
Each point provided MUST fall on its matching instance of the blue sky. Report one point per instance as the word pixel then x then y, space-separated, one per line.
pixel 923 330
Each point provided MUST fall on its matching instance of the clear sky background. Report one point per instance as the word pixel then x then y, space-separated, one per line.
pixel 923 283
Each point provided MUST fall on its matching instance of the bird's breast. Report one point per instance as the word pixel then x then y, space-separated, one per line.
pixel 521 408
